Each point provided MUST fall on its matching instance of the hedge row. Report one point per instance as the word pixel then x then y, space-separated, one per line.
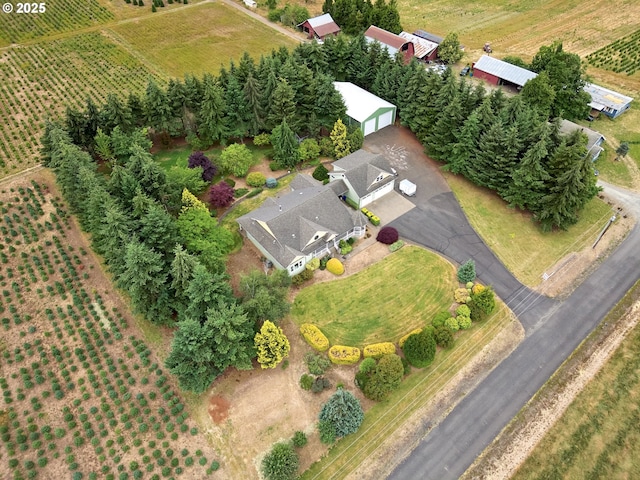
pixel 342 355
pixel 374 219
pixel 314 337
pixel 377 350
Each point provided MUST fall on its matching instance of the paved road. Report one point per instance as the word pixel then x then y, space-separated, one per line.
pixel 553 329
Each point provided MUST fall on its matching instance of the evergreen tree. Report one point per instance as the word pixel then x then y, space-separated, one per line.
pixel 176 98
pixel 489 158
pixel 237 110
pixel 149 175
pixel 158 230
pixel 183 266
pixel 529 179
pixel 144 278
pixel 442 139
pixel 285 146
pixel 449 49
pixel 265 296
pixel 272 345
pixel 193 92
pixel 463 151
pixel 282 106
pixel 103 146
pixel 212 125
pixel 116 113
pixel 539 94
pixel 253 100
pixel 329 105
pixel 341 145
pixel 76 125
pixel 136 107
pixel 206 289
pixel 344 412
pixel 157 108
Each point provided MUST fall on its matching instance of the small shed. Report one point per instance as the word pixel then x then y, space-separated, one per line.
pixel 424 50
pixel 370 112
pixel 609 102
pixel 497 72
pixel 594 139
pixel 320 27
pixel 391 42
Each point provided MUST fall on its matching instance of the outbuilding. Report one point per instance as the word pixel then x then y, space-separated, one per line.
pixel 370 112
pixel 497 72
pixel 609 102
pixel 391 42
pixel 320 27
pixel 424 50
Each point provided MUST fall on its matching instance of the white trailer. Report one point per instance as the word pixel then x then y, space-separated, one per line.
pixel 408 188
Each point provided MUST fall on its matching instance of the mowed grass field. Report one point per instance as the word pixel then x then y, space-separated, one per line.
pixel 518 242
pixel 597 436
pixel 381 303
pixel 200 39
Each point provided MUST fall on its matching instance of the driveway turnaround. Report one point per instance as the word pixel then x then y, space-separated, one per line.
pixel 553 328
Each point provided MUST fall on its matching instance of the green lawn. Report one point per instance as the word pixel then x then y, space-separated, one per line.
pixel 171 157
pixel 518 242
pixel 381 303
pixel 200 39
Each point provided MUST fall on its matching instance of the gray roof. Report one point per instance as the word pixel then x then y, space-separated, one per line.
pixel 593 137
pixel 361 170
pixel 422 46
pixel 428 36
pixel 506 71
pixel 285 226
pixel 606 97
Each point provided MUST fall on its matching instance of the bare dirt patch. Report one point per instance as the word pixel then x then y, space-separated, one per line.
pixel 218 409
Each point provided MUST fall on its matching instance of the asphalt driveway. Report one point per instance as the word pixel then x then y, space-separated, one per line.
pixel 553 328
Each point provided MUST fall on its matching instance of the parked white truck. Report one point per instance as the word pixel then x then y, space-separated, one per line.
pixel 407 187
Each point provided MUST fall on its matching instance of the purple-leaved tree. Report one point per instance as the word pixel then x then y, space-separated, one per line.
pixel 199 159
pixel 221 195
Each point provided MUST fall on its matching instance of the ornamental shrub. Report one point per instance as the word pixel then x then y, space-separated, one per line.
pixel 377 350
pixel 199 159
pixel 344 412
pixel 313 264
pixel 344 247
pixel 464 322
pixel 477 288
pixel 482 304
pixel 281 463
pixel 387 235
pixel 306 381
pixel 367 366
pixel 420 349
pixel 335 266
pixel 309 150
pixel 395 246
pixel 256 179
pixel 439 319
pixel 412 332
pixel 221 195
pixel 461 295
pixel 319 384
pixel 444 337
pixel 452 324
pixel 320 173
pixel 314 337
pixel 343 355
pixel 327 432
pixel 302 277
pixel 467 271
pixel 261 140
pixel 317 364
pixel 385 378
pixel 463 310
pixel 299 439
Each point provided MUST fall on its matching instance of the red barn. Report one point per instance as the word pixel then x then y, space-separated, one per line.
pixel 391 42
pixel 320 27
pixel 425 50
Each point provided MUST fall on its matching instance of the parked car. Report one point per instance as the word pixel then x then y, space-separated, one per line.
pixel 465 71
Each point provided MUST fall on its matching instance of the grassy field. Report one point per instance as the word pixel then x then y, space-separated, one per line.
pixel 179 156
pixel 416 391
pixel 597 436
pixel 381 303
pixel 525 250
pixel 38 81
pixel 200 39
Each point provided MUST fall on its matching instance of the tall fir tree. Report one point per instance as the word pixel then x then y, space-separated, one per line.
pixel 253 100
pixel 282 106
pixel 285 146
pixel 212 126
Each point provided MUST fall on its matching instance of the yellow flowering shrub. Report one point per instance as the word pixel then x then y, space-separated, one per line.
pixel 314 337
pixel 342 355
pixel 377 350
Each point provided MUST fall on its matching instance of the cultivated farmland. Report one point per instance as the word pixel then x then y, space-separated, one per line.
pixel 60 16
pixel 621 56
pixel 39 81
pixel 83 395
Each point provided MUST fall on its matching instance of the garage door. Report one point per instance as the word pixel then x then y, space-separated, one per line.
pixel 369 126
pixel 385 119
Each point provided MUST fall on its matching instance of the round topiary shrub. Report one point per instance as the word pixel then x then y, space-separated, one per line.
pixel 320 173
pixel 420 349
pixel 335 266
pixel 440 318
pixel 443 336
pixel 387 235
pixel 256 179
pixel 452 324
pixel 464 322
